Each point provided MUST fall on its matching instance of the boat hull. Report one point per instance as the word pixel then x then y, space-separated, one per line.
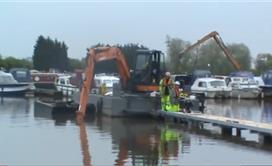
pixel 266 90
pixel 214 94
pixel 14 89
pixel 246 93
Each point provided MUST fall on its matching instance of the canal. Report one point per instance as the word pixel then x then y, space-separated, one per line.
pixel 32 136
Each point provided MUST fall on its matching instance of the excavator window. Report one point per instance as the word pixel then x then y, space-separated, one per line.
pixel 148 68
pixel 142 61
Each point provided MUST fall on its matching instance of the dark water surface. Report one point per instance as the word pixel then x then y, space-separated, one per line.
pixel 32 136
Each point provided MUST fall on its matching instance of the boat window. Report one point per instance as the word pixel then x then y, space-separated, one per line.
pixel 236 79
pixel 21 74
pixel 252 82
pixel 62 81
pixel 115 81
pixel 217 83
pixel 6 79
pixel 97 82
pixel 269 76
pixel 245 79
pixel 265 76
pixel 107 81
pixel 202 84
pixel 234 85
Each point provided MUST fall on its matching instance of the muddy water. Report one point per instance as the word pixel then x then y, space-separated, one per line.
pixel 31 135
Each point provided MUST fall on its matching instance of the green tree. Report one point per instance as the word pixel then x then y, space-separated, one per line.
pixel 11 62
pixel 263 62
pixel 50 54
pixel 39 57
pixel 212 58
pixel 206 56
pixel 242 54
pixel 75 64
pixel 176 64
pixel 210 54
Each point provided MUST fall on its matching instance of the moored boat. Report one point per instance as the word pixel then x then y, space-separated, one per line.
pixel 53 84
pixel 9 86
pixel 108 80
pixel 243 85
pixel 267 86
pixel 64 85
pixel 211 88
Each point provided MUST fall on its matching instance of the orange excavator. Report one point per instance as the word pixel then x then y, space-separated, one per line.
pixel 97 55
pixel 215 35
pixel 144 75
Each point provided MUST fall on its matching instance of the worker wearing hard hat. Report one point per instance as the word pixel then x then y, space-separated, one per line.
pixel 166 84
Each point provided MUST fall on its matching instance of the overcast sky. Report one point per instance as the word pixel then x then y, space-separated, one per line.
pixel 85 23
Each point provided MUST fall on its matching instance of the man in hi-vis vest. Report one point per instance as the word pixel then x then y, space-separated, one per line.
pixel 166 84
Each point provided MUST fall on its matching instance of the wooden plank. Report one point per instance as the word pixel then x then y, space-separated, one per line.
pixel 260 127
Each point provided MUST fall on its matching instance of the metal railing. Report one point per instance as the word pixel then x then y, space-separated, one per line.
pixel 67 90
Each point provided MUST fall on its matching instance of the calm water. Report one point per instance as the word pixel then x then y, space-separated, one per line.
pixel 32 136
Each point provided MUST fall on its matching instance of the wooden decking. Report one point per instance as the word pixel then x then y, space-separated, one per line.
pixel 225 122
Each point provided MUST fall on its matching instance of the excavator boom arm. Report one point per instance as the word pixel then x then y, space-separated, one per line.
pixel 221 44
pixel 215 35
pixel 97 55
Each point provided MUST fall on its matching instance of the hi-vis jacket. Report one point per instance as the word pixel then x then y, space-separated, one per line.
pixel 165 84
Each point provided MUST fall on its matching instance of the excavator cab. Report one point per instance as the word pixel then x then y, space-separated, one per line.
pixel 147 70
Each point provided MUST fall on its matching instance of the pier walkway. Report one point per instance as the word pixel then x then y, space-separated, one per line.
pixel 265 129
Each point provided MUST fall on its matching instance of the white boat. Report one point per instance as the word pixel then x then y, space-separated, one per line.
pixel 106 79
pixel 9 86
pixel 211 88
pixel 266 86
pixel 244 87
pixel 63 85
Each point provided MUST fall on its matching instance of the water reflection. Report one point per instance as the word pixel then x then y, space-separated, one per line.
pixel 144 141
pixel 16 105
pixel 84 144
pixel 126 141
pixel 267 111
pixel 255 110
pixel 15 109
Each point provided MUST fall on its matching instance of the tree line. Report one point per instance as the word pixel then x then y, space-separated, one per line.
pixel 209 56
pixel 11 62
pixel 52 54
pixel 110 66
pixel 49 53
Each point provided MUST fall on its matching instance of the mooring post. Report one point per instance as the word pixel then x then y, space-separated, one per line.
pixel 265 138
pixel 238 132
pixel 2 91
pixel 226 131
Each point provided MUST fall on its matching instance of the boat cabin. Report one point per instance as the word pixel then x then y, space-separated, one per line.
pixel 211 87
pixel 21 74
pixel 241 78
pixel 243 85
pixel 267 77
pixel 63 84
pixel 10 86
pixel 187 80
pixel 106 79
